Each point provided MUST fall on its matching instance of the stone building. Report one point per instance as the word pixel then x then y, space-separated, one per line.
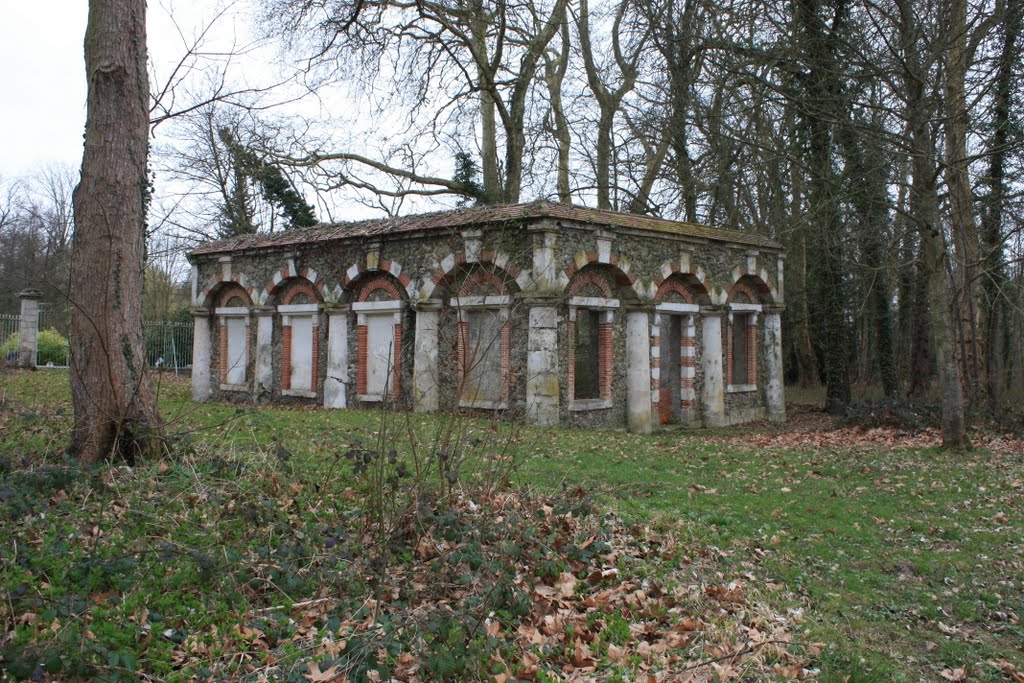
pixel 560 314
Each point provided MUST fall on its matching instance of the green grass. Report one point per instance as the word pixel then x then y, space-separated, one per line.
pixel 905 561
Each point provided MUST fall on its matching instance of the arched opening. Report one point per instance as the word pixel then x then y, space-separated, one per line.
pixel 674 346
pixel 594 298
pixel 299 311
pixel 233 348
pixel 484 338
pixel 378 305
pixel 741 348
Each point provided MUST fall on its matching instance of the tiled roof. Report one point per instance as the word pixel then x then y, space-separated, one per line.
pixel 479 215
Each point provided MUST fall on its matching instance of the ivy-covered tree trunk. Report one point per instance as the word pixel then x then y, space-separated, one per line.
pixel 924 211
pixel 995 279
pixel 114 402
pixel 822 89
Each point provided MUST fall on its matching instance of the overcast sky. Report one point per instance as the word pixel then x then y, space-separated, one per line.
pixel 42 110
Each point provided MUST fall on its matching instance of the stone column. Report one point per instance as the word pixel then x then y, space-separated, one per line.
pixel 545 270
pixel 775 398
pixel 337 357
pixel 638 371
pixel 264 365
pixel 713 393
pixel 28 327
pixel 425 379
pixel 201 342
pixel 542 366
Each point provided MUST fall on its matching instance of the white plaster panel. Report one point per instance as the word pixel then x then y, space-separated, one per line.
pixel 302 353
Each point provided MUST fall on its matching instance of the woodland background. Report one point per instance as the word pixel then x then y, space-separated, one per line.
pixel 879 141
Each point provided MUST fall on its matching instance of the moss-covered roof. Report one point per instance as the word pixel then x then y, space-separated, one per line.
pixel 480 216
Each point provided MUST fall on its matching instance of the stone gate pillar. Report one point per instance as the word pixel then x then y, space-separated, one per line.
pixel 713 393
pixel 425 380
pixel 542 389
pixel 201 354
pixel 28 327
pixel 638 371
pixel 775 398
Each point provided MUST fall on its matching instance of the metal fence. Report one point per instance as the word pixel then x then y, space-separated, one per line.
pixel 9 344
pixel 168 344
pixel 52 343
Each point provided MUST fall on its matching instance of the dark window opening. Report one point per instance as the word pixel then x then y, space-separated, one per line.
pixel 739 349
pixel 587 382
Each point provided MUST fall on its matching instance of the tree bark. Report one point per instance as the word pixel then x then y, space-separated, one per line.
pixel 958 57
pixel 114 402
pixel 555 67
pixel 924 212
pixel 995 278
pixel 819 110
pixel 608 100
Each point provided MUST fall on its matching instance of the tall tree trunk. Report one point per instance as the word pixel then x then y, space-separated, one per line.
pixel 492 186
pixel 554 75
pixel 609 100
pixel 797 311
pixel 114 403
pixel 925 214
pixel 958 56
pixel 866 169
pixel 994 277
pixel 822 85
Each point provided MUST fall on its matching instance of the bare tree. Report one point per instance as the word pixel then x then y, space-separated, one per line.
pixel 459 59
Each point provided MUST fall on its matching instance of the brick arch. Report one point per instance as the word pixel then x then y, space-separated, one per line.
pixel 591 276
pixel 755 289
pixel 298 287
pixel 688 285
pixel 484 276
pixel 455 264
pixel 215 285
pixel 368 283
pixel 759 286
pixel 284 279
pixel 693 279
pixel 620 268
pixel 223 292
pixel 623 284
pixel 359 270
pixel 291 287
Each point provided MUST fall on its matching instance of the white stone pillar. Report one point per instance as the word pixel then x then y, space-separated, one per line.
pixel 775 397
pixel 542 388
pixel 28 327
pixel 264 383
pixel 425 379
pixel 713 393
pixel 337 357
pixel 201 342
pixel 545 270
pixel 638 371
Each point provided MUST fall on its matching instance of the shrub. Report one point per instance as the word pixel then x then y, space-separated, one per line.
pixel 52 347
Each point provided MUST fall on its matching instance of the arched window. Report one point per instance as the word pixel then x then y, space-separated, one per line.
pixel 673 348
pixel 300 340
pixel 591 318
pixel 379 341
pixel 741 346
pixel 483 342
pixel 233 314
